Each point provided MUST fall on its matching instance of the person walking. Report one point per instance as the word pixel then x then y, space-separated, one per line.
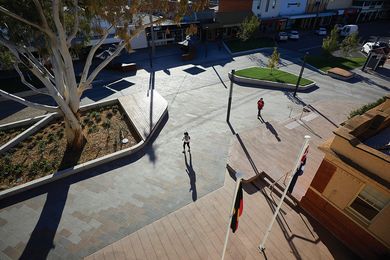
pixel 186 141
pixel 260 105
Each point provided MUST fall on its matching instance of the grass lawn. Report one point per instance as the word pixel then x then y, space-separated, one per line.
pixel 276 76
pixel 327 62
pixel 251 44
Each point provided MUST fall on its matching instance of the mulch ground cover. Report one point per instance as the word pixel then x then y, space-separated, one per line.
pixel 7 135
pixel 45 152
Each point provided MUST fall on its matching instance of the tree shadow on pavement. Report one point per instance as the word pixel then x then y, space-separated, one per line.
pixel 192 175
pixel 41 240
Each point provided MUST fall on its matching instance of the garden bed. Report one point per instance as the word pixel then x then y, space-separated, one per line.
pixel 325 63
pixel 278 76
pixel 251 44
pixel 44 152
pixel 9 134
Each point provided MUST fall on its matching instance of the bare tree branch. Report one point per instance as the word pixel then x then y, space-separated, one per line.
pixel 21 19
pixel 104 63
pixel 25 82
pixel 76 24
pixel 57 22
pixel 41 14
pixel 91 53
pixel 28 103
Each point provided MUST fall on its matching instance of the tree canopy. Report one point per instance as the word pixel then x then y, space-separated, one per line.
pixel 248 27
pixel 40 36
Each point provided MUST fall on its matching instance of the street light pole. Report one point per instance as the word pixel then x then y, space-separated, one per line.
pixel 230 96
pixel 150 50
pixel 205 53
pixel 300 74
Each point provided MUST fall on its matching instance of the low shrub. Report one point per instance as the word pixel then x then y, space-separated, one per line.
pixel 365 108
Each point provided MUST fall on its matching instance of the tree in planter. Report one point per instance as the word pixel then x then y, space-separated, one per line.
pixel 273 60
pixel 331 43
pixel 40 36
pixel 248 28
pixel 349 44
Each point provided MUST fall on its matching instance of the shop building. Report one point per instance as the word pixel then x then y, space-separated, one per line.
pixel 317 14
pixel 368 10
pixel 293 11
pixel 268 12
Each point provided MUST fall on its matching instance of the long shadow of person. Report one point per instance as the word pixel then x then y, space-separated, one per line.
pixel 272 130
pixel 191 174
pixel 261 119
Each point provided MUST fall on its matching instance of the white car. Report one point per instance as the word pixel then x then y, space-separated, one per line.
pixel 369 46
pixel 321 31
pixel 282 36
pixel 293 35
pixel 106 53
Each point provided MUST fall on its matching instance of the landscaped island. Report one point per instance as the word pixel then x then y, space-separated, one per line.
pixel 237 45
pixel 278 76
pixel 325 63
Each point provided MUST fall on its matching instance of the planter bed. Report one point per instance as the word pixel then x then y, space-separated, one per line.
pixel 138 117
pixel 341 74
pixel 44 152
pixel 325 63
pixel 236 45
pixel 278 79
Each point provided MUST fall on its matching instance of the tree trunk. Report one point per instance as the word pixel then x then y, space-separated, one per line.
pixel 74 134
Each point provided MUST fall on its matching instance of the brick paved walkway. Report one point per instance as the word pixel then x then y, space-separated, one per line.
pixel 197 230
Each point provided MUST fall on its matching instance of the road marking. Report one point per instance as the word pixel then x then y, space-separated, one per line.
pixel 306 49
pixel 292 125
pixel 309 117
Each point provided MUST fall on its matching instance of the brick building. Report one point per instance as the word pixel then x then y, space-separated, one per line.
pixel 350 193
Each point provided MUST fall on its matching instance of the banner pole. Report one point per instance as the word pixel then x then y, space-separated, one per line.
pixel 238 178
pixel 304 146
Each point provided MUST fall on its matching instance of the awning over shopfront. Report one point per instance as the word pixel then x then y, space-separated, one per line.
pixel 327 14
pixel 299 16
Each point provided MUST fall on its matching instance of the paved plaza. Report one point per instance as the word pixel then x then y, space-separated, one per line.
pixel 77 216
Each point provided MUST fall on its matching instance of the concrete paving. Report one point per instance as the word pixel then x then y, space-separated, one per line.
pixel 75 217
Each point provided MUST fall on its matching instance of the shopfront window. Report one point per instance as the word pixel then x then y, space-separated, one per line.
pixel 369 202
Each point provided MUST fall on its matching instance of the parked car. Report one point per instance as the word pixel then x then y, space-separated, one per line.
pixel 106 52
pixel 293 35
pixel 321 31
pixel 282 36
pixel 372 46
pixel 349 29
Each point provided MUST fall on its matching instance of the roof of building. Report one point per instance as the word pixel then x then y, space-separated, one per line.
pixel 380 141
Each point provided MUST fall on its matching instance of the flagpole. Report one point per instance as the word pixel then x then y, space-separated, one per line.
pixel 304 146
pixel 238 180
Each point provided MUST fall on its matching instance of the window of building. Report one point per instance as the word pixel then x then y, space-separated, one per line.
pixel 267 6
pixel 369 202
pixel 273 4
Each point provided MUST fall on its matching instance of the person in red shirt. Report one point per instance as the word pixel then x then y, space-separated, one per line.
pixel 260 105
